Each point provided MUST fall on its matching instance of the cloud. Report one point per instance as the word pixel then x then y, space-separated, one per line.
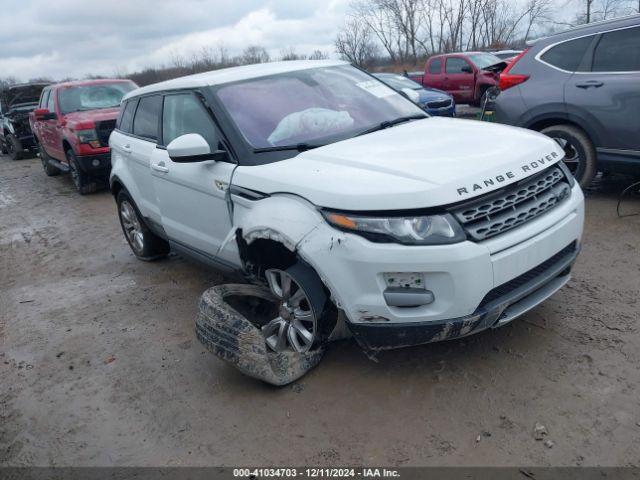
pixel 72 38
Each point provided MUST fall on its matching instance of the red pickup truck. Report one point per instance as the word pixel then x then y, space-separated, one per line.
pixel 465 76
pixel 72 125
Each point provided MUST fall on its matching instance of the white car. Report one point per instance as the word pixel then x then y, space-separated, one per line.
pixel 322 182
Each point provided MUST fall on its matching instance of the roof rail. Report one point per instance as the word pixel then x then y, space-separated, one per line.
pixel 585 27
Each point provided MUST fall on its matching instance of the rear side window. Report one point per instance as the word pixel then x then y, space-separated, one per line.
pixel 435 66
pixel 145 122
pixel 125 121
pixel 568 55
pixel 618 51
pixel 455 65
pixel 184 114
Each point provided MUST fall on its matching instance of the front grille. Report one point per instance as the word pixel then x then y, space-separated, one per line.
pixel 515 205
pixel 104 129
pixel 439 104
pixel 527 277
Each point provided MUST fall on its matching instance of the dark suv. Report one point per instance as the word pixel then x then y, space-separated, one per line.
pixel 582 88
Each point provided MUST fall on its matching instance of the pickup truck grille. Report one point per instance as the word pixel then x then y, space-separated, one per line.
pixel 104 129
pixel 439 104
pixel 513 206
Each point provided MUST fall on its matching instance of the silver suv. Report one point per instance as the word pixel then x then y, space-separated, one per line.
pixel 582 88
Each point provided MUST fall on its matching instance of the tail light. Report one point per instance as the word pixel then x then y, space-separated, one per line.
pixel 508 80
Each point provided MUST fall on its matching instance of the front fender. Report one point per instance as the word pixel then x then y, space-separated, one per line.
pixel 284 218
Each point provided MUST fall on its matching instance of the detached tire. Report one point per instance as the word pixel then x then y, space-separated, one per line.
pixel 145 244
pixel 14 147
pixel 238 340
pixel 580 154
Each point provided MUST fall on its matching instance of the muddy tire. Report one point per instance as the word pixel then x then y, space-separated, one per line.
pixel 144 244
pixel 580 154
pixel 237 338
pixel 83 182
pixel 3 147
pixel 49 170
pixel 14 147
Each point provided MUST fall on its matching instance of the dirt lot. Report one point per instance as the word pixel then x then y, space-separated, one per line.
pixel 99 364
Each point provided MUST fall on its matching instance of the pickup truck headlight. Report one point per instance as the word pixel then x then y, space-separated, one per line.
pixel 89 136
pixel 418 230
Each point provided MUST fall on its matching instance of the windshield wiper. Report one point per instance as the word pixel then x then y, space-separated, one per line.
pixel 391 123
pixel 301 147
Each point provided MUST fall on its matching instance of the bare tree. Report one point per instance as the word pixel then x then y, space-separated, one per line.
pixel 290 54
pixel 254 54
pixel 354 43
pixel 318 55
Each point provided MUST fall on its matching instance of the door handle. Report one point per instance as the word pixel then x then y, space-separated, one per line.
pixel 159 167
pixel 589 84
pixel 126 148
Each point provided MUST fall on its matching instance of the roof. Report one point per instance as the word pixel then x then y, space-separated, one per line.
pixel 589 28
pixel 82 83
pixel 233 74
pixel 28 84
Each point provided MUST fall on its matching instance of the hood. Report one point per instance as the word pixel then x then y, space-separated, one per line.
pixel 496 67
pixel 89 117
pixel 421 164
pixel 21 95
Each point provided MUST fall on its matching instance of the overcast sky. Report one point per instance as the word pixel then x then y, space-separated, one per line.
pixel 73 38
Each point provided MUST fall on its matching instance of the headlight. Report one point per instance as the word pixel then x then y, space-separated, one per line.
pixel 419 230
pixel 89 136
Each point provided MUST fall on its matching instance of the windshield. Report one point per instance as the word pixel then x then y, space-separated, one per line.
pixel 482 60
pixel 399 82
pixel 309 106
pixel 93 97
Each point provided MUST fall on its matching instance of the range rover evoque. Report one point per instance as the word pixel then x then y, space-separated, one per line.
pixel 321 182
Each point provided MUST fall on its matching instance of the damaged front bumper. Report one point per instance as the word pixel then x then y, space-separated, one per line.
pixel 523 294
pixel 467 287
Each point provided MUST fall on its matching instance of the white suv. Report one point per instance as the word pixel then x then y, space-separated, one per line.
pixel 332 188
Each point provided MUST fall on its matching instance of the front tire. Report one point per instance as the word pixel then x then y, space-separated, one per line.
pixel 84 184
pixel 580 154
pixel 14 147
pixel 145 244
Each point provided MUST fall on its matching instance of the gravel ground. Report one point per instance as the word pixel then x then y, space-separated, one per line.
pixel 99 364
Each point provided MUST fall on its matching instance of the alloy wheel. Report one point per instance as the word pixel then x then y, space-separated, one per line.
pixel 132 227
pixel 295 327
pixel 572 157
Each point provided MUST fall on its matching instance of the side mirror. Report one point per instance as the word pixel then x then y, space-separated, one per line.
pixel 192 147
pixel 44 114
pixel 466 69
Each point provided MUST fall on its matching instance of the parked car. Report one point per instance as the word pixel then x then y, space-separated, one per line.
pixel 432 101
pixel 16 101
pixel 72 125
pixel 340 194
pixel 582 88
pixel 465 76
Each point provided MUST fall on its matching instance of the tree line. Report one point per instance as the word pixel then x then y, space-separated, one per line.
pixel 408 31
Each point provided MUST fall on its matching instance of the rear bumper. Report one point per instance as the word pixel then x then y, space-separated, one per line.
pixel 97 165
pixel 503 304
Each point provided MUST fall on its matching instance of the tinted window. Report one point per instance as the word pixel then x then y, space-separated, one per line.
pixel 568 55
pixel 145 123
pixel 51 101
pixel 185 114
pixel 126 116
pixel 618 51
pixel 455 65
pixel 435 66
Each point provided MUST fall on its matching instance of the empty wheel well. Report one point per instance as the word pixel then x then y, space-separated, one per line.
pixel 264 253
pixel 116 186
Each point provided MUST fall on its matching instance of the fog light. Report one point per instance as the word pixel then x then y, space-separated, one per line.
pixel 95 162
